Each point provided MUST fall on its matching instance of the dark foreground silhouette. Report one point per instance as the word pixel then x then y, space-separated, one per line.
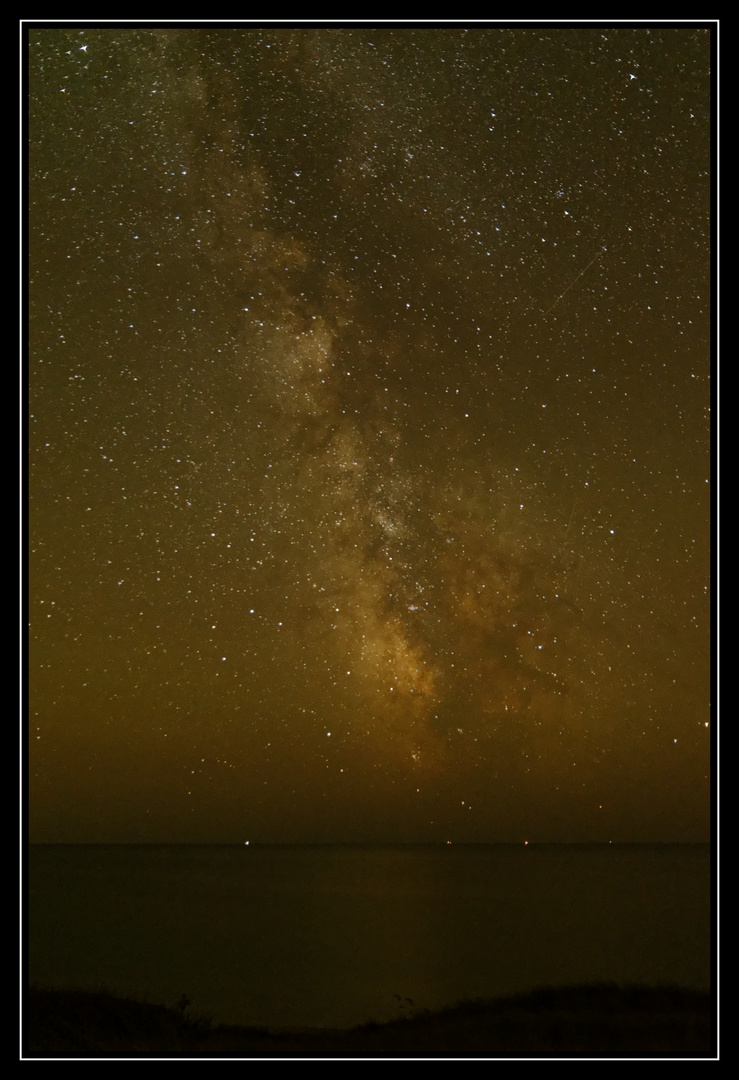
pixel 601 1019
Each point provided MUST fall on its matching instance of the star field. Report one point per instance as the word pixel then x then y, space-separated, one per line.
pixel 369 459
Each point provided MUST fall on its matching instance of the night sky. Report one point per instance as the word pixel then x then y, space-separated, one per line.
pixel 369 434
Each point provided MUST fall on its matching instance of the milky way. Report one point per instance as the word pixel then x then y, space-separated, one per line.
pixel 369 433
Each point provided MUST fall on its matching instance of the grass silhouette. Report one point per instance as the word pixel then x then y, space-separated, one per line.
pixel 601 1019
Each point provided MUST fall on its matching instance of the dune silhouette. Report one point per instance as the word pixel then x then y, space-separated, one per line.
pixel 604 1019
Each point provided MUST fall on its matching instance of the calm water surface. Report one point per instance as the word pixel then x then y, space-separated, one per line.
pixel 335 935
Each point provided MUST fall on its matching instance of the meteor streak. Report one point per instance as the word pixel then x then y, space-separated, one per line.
pixel 596 256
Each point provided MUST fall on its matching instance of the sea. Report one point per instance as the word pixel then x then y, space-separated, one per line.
pixel 307 936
